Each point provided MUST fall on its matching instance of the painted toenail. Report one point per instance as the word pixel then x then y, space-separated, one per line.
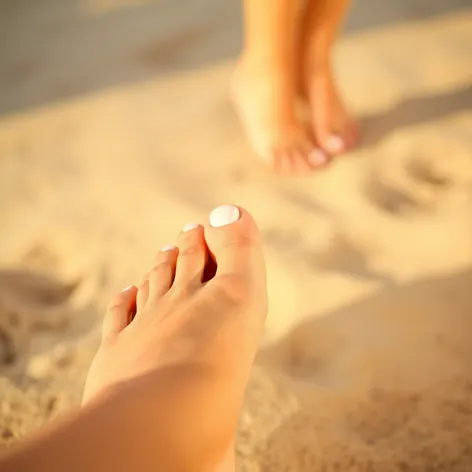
pixel 224 215
pixel 334 144
pixel 129 287
pixel 169 247
pixel 317 157
pixel 190 226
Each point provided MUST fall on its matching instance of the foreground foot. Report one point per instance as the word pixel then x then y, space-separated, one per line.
pixel 265 103
pixel 193 333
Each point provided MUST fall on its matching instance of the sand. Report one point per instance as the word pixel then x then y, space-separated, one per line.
pixel 115 129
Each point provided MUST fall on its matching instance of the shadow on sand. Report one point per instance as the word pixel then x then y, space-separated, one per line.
pixel 387 383
pixel 414 111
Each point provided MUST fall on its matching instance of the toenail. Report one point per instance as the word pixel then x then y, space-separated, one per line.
pixel 127 288
pixel 317 157
pixel 224 215
pixel 169 247
pixel 190 226
pixel 334 144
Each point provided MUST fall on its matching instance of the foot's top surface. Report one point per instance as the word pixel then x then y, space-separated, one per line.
pixel 191 327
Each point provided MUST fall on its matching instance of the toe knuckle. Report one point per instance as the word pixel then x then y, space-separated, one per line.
pixel 240 241
pixel 113 308
pixel 143 285
pixel 190 249
pixel 232 288
pixel 116 303
pixel 160 267
pixel 180 292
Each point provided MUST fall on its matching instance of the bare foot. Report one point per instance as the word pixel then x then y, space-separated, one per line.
pixel 333 127
pixel 265 102
pixel 195 339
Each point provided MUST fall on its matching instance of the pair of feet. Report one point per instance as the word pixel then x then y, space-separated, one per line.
pixel 266 95
pixel 200 312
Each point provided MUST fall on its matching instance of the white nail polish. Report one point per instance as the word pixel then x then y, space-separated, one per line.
pixel 224 215
pixel 317 157
pixel 334 144
pixel 127 288
pixel 169 247
pixel 190 226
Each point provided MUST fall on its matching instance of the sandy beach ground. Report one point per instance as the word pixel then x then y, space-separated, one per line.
pixel 116 129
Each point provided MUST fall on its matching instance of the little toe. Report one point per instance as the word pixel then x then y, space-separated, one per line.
pixel 119 311
pixel 192 256
pixel 235 243
pixel 300 162
pixel 283 162
pixel 162 274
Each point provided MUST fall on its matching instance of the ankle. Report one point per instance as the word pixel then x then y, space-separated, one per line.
pixel 254 70
pixel 267 60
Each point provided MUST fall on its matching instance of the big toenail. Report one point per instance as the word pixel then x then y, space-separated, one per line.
pixel 129 287
pixel 189 227
pixel 317 157
pixel 334 144
pixel 168 248
pixel 224 215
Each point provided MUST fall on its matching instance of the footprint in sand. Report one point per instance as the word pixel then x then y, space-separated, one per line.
pixel 316 354
pixel 29 302
pixel 340 254
pixel 417 190
pixel 419 180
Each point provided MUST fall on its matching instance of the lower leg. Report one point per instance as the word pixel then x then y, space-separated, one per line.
pixel 323 19
pixel 332 126
pixel 265 85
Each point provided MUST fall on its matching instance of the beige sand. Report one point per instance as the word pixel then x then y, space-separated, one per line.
pixel 115 129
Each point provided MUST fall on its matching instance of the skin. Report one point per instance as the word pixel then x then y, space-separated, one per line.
pixel 320 26
pixel 287 56
pixel 166 386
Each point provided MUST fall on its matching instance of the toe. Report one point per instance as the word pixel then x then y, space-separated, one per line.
pixel 235 243
pixel 351 135
pixel 314 156
pixel 119 312
pixel 283 161
pixel 334 144
pixel 192 256
pixel 349 141
pixel 331 142
pixel 143 293
pixel 321 120
pixel 300 161
pixel 162 274
pixel 317 158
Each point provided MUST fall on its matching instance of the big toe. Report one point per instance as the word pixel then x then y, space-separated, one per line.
pixel 234 241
